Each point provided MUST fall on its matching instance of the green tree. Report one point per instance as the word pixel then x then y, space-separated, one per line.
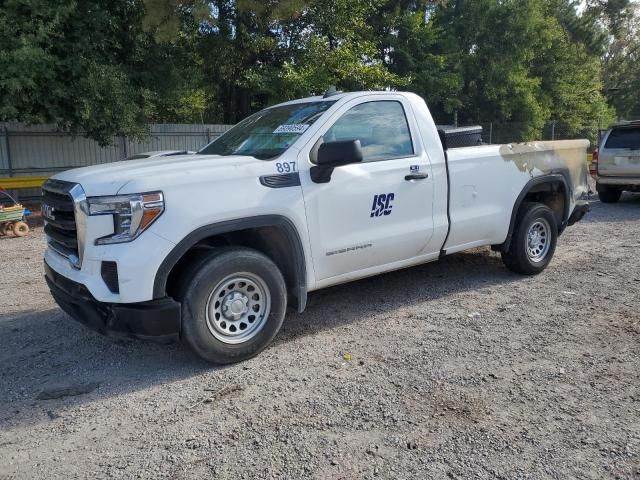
pixel 240 45
pixel 112 67
pixel 570 70
pixel 62 62
pixel 506 61
pixel 338 49
pixel 621 62
pixel 256 53
pixel 87 65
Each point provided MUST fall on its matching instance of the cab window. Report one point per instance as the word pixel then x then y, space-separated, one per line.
pixel 381 127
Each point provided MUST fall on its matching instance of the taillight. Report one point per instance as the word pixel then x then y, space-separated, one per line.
pixel 593 170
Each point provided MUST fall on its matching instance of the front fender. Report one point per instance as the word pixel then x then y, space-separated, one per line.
pixel 228 226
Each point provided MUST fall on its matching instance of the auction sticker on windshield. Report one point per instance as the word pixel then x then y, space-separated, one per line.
pixel 292 128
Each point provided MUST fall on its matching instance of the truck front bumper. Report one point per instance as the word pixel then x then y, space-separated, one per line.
pixel 157 320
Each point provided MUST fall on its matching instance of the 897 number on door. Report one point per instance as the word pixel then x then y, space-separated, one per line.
pixel 286 167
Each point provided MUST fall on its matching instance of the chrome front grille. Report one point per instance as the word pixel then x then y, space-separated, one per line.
pixel 64 212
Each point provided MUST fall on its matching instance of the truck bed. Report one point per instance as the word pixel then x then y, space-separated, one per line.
pixel 483 192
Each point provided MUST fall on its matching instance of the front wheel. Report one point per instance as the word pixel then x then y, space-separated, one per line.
pixel 233 305
pixel 534 240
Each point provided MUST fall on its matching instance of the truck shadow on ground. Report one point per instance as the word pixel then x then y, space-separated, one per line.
pixel 333 307
pixel 39 349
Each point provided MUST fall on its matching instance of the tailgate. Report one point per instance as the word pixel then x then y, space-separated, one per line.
pixel 620 155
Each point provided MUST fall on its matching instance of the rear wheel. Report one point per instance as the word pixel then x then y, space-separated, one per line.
pixel 534 240
pixel 233 305
pixel 608 194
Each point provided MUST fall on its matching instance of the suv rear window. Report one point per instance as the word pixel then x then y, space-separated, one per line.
pixel 624 138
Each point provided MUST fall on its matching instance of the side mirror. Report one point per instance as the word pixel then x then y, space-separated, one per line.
pixel 335 154
pixel 340 153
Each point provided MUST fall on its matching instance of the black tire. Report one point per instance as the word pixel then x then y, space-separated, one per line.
pixel 609 195
pixel 518 258
pixel 205 278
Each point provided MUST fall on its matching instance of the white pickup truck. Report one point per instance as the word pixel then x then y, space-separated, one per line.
pixel 213 247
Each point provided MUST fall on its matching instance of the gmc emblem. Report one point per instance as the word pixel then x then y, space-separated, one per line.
pixel 48 212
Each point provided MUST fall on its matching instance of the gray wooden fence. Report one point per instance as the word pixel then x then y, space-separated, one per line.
pixel 44 150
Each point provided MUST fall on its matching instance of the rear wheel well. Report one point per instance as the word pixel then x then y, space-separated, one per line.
pixel 551 194
pixel 272 241
pixel 551 191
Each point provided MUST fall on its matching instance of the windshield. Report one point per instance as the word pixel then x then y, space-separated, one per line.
pixel 268 133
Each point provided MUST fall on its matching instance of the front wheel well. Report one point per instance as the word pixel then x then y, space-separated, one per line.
pixel 277 241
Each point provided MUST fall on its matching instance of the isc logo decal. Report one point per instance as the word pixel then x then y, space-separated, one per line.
pixel 382 204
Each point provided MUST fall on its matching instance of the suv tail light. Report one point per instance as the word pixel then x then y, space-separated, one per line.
pixel 593 170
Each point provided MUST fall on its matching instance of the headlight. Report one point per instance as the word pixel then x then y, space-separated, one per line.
pixel 132 214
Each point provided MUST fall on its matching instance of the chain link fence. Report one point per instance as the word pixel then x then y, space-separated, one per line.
pixel 512 132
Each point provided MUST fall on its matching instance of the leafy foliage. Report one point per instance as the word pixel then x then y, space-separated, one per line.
pixel 511 60
pixel 621 70
pixel 69 63
pixel 112 67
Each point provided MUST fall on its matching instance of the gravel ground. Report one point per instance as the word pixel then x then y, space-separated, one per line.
pixel 457 369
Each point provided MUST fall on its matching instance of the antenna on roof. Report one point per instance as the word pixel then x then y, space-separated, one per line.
pixel 331 91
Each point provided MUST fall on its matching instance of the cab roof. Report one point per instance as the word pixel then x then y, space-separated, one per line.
pixel 337 96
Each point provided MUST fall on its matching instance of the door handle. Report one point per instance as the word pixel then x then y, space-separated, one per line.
pixel 416 176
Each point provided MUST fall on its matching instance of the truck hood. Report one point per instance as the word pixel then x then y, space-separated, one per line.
pixel 135 176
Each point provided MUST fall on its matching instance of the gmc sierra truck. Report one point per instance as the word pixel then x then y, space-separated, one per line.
pixel 212 247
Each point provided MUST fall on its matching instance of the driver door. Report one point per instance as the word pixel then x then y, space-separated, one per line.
pixel 373 213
